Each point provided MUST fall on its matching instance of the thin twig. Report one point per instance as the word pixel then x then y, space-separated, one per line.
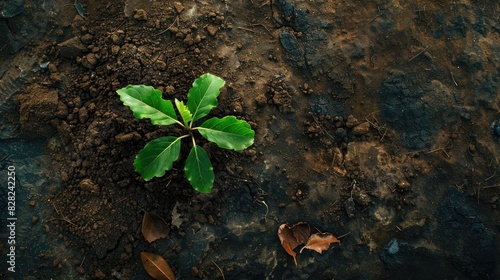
pixel 246 29
pixel 60 213
pixel 490 187
pixel 175 20
pixel 6 157
pixel 439 149
pixel 419 53
pixel 453 78
pixel 322 129
pixel 267 209
pixel 378 128
pixel 491 176
pixel 220 269
pixel 267 3
pixel 268 31
pixel 343 235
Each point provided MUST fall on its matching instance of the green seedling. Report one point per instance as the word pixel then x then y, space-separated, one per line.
pixel 159 155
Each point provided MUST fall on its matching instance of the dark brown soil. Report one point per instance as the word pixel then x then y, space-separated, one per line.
pixel 377 122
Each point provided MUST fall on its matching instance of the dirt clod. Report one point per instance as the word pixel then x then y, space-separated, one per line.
pixel 72 48
pixel 141 15
pixel 89 186
pixel 37 107
pixel 361 129
pixel 212 30
pixel 178 7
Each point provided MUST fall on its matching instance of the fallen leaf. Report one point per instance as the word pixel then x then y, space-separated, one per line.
pixel 320 242
pixel 301 232
pixel 177 220
pixel 156 266
pixel 288 240
pixel 154 227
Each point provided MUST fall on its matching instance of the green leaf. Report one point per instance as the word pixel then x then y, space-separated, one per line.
pixel 146 102
pixel 199 170
pixel 157 156
pixel 228 132
pixel 202 97
pixel 184 111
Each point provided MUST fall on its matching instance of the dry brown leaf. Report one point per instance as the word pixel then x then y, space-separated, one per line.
pixel 288 240
pixel 156 266
pixel 154 227
pixel 320 242
pixel 301 232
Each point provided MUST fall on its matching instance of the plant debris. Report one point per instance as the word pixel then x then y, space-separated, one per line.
pixel 300 234
pixel 288 240
pixel 154 227
pixel 156 266
pixel 320 242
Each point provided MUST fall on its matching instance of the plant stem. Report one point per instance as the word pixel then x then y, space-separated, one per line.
pixel 192 138
pixel 181 124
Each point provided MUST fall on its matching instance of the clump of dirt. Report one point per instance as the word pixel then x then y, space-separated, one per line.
pixel 280 94
pixel 38 108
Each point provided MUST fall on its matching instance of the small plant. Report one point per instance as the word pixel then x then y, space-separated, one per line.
pixel 159 154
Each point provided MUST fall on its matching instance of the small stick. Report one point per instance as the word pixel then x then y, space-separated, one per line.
pixel 378 128
pixel 60 213
pixel 260 24
pixel 489 187
pixel 6 157
pixel 120 200
pixel 439 149
pixel 419 53
pixel 175 20
pixel 220 269
pixel 374 18
pixel 321 127
pixel 453 78
pixel 267 3
pixel 4 46
pixel 267 208
pixel 343 235
pixel 246 29
pixel 491 176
